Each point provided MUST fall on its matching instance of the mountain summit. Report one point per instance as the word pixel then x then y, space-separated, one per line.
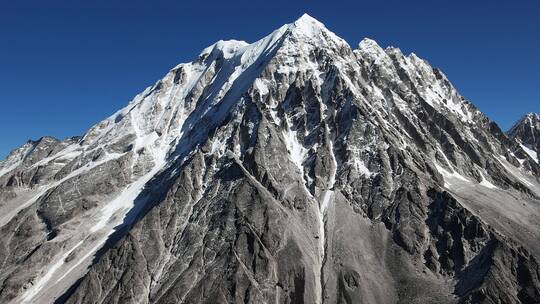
pixel 527 132
pixel 294 169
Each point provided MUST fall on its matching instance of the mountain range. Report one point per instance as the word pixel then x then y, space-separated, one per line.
pixel 295 169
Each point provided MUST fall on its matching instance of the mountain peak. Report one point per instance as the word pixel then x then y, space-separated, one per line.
pixel 307 20
pixel 304 27
pixel 530 120
pixel 533 116
pixel 309 27
pixel 526 131
pixel 368 42
pixel 368 45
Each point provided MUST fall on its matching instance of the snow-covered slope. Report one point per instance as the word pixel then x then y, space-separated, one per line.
pixel 291 169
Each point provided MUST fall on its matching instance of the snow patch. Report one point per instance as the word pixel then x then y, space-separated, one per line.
pixel 487 183
pixel 68 153
pixel 261 86
pixel 42 282
pixel 450 177
pixel 531 152
pixel 515 172
pixel 10 168
pixel 357 162
pixel 323 208
pixel 15 159
pixel 296 150
pixel 361 167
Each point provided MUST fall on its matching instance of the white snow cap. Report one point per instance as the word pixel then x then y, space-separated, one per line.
pixel 309 27
pixel 304 27
pixel 306 21
pixel 368 43
pixel 227 47
pixel 371 49
pixel 534 120
pixel 370 46
pixel 533 115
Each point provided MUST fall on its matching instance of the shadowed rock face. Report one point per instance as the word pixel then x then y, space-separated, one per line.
pixel 291 170
pixel 526 131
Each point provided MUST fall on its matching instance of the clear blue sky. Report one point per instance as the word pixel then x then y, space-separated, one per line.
pixel 65 65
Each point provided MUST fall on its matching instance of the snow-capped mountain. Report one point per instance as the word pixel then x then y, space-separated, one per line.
pixel 295 169
pixel 526 132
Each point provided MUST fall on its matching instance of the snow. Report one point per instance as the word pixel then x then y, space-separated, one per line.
pixel 52 269
pixel 361 167
pixel 534 122
pixel 243 63
pixel 274 114
pixel 323 208
pixel 88 254
pixel 115 212
pixel 296 150
pixel 7 216
pixel 67 153
pixel 218 146
pixel 261 86
pixel 437 97
pixel 228 48
pixel 450 177
pixel 434 91
pixel 487 183
pixel 356 161
pixel 376 91
pixel 4 219
pixel 310 27
pixel 107 220
pixel 42 282
pixel 223 88
pixel 145 140
pixel 124 201
pixel 370 49
pixel 531 152
pixel 515 172
pixel 308 24
pixel 3 171
pixel 143 121
pixel 15 158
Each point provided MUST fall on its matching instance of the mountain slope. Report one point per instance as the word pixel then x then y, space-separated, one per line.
pixel 292 170
pixel 526 131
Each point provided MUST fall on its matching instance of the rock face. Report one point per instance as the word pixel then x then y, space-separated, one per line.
pixel 526 132
pixel 291 170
